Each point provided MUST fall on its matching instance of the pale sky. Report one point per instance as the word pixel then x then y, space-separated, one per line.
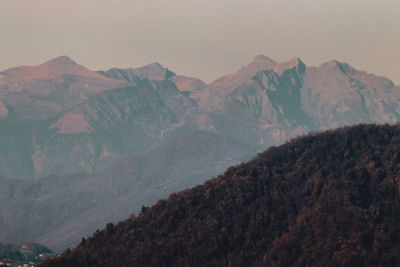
pixel 201 38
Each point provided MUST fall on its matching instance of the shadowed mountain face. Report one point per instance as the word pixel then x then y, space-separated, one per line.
pixel 329 199
pixel 64 122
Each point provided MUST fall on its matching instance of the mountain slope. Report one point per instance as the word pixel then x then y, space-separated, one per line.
pixel 336 94
pixel 225 85
pixel 16 148
pixel 266 109
pixel 59 210
pixel 96 132
pixel 61 118
pixel 330 199
pixel 113 124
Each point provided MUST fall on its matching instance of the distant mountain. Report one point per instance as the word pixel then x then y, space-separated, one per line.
pixel 335 94
pixel 329 199
pixel 39 92
pixel 225 85
pixel 259 109
pixel 267 102
pixel 112 124
pixel 59 210
pixel 73 120
pixel 87 122
pixel 155 72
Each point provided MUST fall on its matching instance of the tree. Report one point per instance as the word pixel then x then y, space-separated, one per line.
pixel 144 209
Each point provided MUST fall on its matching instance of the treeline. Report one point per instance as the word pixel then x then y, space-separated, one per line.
pixel 327 199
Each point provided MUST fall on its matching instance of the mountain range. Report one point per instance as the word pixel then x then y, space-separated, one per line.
pixel 80 148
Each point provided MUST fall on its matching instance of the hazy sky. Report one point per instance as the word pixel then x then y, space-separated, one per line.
pixel 203 38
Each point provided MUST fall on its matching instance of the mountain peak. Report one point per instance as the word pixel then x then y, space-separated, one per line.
pixel 153 71
pixel 258 64
pixel 293 63
pixel 261 59
pixel 60 66
pixel 341 66
pixel 61 60
pixel 50 69
pixel 155 65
